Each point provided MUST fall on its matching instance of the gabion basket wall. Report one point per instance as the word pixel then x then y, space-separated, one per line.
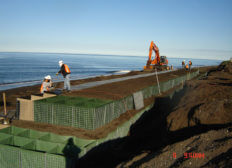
pixel 16 149
pixel 80 117
pixel 95 116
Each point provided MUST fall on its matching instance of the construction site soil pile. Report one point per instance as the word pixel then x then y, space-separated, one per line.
pixel 207 101
pixel 197 120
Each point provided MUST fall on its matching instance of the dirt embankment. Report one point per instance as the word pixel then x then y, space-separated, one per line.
pixel 193 129
pixel 118 90
pixel 207 101
pixel 27 91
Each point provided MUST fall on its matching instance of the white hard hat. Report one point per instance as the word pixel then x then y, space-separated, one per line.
pixel 48 77
pixel 61 63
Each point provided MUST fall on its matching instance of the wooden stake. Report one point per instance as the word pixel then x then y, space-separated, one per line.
pixel 4 100
pixel 157 81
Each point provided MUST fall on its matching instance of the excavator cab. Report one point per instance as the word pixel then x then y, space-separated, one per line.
pixel 163 60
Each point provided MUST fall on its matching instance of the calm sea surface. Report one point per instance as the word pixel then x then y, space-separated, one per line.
pixel 25 69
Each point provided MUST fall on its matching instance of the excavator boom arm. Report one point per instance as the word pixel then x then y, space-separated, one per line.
pixel 154 48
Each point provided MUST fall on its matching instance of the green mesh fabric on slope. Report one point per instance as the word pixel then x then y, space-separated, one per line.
pixel 40 141
pixel 15 157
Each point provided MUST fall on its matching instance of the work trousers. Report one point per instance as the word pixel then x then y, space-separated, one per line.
pixel 67 82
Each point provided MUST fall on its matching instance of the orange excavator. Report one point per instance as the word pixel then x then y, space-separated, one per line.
pixel 159 62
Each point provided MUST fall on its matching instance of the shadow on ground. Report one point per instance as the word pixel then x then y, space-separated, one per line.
pixel 149 133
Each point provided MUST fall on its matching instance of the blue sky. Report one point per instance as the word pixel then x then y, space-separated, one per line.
pixel 180 28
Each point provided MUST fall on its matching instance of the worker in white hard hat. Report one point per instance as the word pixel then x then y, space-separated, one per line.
pixel 65 71
pixel 46 85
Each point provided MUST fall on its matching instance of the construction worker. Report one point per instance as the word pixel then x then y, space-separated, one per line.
pixel 186 67
pixel 46 85
pixel 183 64
pixel 190 64
pixel 171 67
pixel 65 71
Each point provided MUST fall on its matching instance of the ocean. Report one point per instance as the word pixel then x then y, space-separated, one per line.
pixel 19 69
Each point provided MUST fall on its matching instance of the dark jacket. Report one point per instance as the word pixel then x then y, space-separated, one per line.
pixel 64 70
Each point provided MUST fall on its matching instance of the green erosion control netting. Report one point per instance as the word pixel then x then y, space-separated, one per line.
pixel 22 148
pixel 16 150
pixel 76 101
pixel 166 85
pixel 41 141
pixel 15 157
pixel 90 113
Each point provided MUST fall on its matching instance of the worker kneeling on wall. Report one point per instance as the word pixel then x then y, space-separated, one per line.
pixel 65 71
pixel 46 85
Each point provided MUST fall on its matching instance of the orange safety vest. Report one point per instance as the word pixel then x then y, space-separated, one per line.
pixel 187 67
pixel 67 70
pixel 190 63
pixel 41 88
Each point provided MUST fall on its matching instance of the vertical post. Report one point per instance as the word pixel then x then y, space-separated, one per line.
pixel 157 80
pixel 4 100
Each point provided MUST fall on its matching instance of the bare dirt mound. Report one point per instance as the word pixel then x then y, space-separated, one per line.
pixel 211 149
pixel 207 101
